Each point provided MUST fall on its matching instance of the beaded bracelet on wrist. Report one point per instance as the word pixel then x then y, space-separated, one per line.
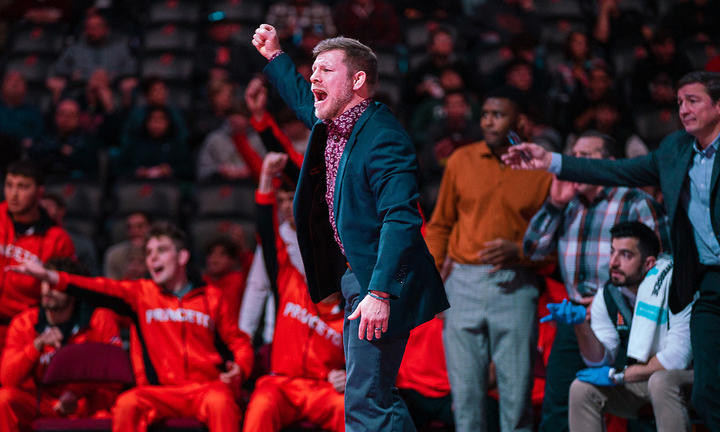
pixel 375 296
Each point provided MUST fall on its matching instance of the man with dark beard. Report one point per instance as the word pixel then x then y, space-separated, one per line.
pixel 631 363
pixel 33 338
pixel 176 318
pixel 574 223
pixel 684 167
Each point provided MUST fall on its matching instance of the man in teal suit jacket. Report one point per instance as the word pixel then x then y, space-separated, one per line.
pixel 686 168
pixel 363 237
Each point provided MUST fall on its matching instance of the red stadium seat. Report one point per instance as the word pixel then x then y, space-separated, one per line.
pixel 93 361
pixel 101 363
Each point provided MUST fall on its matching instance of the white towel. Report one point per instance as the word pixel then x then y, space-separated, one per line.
pixel 650 318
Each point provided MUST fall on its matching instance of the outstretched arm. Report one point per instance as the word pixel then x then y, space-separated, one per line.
pixel 527 156
pixel 127 291
pixel 281 72
pixel 36 270
pixel 635 172
pixel 265 125
pixel 573 314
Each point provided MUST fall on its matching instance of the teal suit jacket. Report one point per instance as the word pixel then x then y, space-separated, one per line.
pixel 375 206
pixel 667 167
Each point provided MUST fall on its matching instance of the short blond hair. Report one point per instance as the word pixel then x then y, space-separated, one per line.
pixel 358 56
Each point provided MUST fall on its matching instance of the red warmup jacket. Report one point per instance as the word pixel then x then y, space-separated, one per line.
pixel 279 142
pixel 23 366
pixel 308 337
pixel 42 241
pixel 274 140
pixel 177 335
pixel 233 287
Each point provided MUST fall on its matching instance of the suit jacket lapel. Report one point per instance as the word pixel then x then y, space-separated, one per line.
pixel 713 195
pixel 715 171
pixel 346 152
pixel 314 153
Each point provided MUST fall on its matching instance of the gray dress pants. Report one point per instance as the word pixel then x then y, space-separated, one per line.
pixel 492 316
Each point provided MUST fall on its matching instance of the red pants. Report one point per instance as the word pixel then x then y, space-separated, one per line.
pixel 17 409
pixel 278 402
pixel 211 403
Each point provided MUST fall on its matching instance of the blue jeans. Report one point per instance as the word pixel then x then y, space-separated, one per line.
pixel 372 402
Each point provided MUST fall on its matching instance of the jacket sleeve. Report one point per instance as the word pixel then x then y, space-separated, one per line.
pixel 128 291
pixel 274 139
pixel 391 169
pixel 635 172
pixel 267 228
pixel 105 327
pixel 252 159
pixel 444 217
pixel 64 247
pixel 541 237
pixel 237 341
pixel 293 88
pixel 19 356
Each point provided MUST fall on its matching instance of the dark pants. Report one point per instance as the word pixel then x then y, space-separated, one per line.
pixel 564 362
pixel 705 340
pixel 372 402
pixel 424 409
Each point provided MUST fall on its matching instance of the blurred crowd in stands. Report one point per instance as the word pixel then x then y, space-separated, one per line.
pixel 113 91
pixel 157 109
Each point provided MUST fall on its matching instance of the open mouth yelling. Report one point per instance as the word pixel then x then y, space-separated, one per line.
pixel 320 96
pixel 156 270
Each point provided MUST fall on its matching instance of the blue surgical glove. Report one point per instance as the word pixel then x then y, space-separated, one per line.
pixel 565 313
pixel 599 376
